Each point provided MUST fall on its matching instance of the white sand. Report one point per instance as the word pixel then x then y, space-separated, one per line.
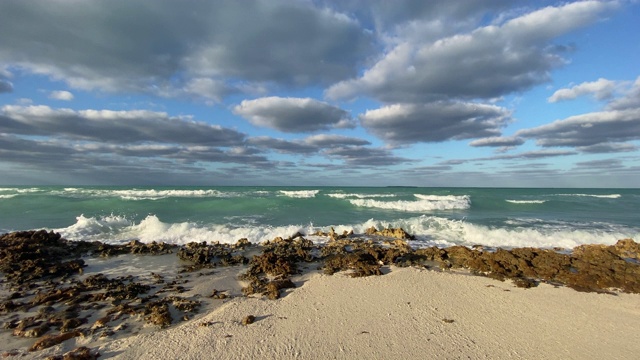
pixel 400 316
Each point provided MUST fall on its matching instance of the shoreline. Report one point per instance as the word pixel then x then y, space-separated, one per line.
pixel 195 299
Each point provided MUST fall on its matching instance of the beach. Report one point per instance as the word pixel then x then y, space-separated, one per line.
pixel 407 313
pixel 291 298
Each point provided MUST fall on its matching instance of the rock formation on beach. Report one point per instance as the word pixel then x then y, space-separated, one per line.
pixel 52 299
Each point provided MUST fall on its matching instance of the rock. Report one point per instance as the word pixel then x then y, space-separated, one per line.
pixel 51 340
pixel 80 353
pixel 273 288
pixel 158 314
pixel 249 319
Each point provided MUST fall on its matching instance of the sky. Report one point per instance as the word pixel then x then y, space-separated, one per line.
pixel 486 93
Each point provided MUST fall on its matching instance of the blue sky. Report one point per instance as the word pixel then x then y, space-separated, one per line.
pixel 352 92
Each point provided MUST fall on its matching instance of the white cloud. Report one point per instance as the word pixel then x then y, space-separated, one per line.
pixel 435 122
pixel 113 126
pixel 601 89
pixel 293 114
pixel 488 62
pixel 595 128
pixel 498 141
pixel 61 95
pixel 169 49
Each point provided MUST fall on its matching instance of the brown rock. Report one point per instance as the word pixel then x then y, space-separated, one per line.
pixel 51 340
pixel 249 319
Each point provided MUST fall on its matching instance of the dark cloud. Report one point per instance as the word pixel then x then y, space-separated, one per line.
pixel 206 49
pixel 488 62
pixel 607 148
pixel 293 114
pixel 5 86
pixel 281 145
pixel 606 164
pixel 435 122
pixel 590 129
pixel 364 156
pixel 113 126
pixel 309 145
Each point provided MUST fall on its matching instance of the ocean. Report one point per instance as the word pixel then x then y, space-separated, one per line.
pixel 494 217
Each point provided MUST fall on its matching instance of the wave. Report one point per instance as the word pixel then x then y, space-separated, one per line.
pixel 119 229
pixel 146 194
pixel 360 196
pixel 427 203
pixel 8 196
pixel 526 201
pixel 300 193
pixel 429 231
pixel 609 196
pixel 21 190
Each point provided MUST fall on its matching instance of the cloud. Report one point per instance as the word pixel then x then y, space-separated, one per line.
pixel 308 145
pixel 5 86
pixel 293 115
pixel 600 89
pixel 113 126
pixel 607 148
pixel 61 95
pixel 595 128
pixel 498 141
pixel 606 164
pixel 629 100
pixel 488 62
pixel 169 49
pixel 281 145
pixel 362 156
pixel 435 122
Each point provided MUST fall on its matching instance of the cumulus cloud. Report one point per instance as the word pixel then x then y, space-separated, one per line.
pixel 590 129
pixel 364 156
pixel 498 141
pixel 113 126
pixel 309 145
pixel 293 114
pixel 61 95
pixel 600 89
pixel 170 49
pixel 435 122
pixel 629 100
pixel 607 148
pixel 488 62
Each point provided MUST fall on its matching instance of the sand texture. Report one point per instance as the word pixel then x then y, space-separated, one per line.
pixel 407 313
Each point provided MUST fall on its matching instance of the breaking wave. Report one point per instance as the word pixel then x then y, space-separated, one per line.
pixel 426 203
pixel 429 231
pixel 360 196
pixel 526 201
pixel 146 194
pixel 302 194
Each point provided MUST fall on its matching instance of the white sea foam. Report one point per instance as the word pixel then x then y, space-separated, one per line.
pixel 7 196
pixel 300 193
pixel 526 201
pixel 360 196
pixel 429 230
pixel 146 194
pixel 427 203
pixel 117 229
pixel 608 196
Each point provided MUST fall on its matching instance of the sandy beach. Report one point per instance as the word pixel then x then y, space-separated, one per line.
pixel 407 313
pixel 389 310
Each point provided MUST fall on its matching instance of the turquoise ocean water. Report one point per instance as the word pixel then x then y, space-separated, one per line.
pixel 437 216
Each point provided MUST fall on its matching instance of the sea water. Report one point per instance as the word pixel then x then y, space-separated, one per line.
pixel 509 217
